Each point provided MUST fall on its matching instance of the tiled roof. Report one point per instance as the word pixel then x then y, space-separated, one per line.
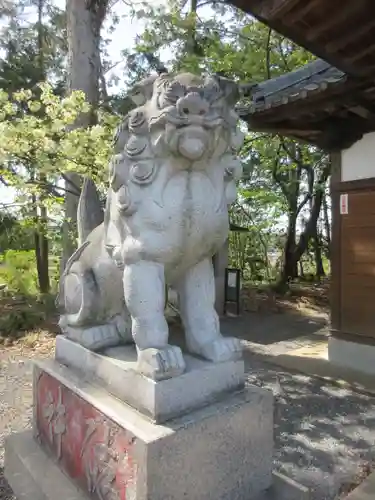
pixel 314 77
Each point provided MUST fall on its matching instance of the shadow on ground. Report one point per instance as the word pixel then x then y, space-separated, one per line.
pixel 5 490
pixel 268 329
pixel 324 433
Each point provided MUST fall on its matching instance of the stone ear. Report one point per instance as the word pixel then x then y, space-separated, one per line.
pixel 230 90
pixel 142 91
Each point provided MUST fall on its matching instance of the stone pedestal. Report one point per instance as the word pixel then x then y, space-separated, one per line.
pixel 115 370
pixel 97 446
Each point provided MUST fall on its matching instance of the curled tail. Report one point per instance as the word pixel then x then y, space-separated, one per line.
pixel 90 212
pixel 60 298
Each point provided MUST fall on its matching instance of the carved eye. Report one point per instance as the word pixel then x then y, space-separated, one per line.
pixel 174 91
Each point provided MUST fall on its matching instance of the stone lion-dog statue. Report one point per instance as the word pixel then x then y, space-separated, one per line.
pixel 172 177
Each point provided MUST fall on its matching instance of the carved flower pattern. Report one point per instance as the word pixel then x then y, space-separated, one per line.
pixel 54 412
pixel 103 462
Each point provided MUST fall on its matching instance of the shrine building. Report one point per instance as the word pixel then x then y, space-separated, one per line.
pixel 330 103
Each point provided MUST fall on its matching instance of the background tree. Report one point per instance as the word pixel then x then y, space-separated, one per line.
pixel 33 52
pixel 84 23
pixel 281 198
pixel 53 142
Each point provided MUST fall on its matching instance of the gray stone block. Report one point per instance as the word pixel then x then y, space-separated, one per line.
pixel 33 475
pixel 115 369
pixel 285 488
pixel 220 452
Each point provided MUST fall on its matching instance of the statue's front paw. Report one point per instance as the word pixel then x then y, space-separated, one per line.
pixel 160 364
pixel 222 349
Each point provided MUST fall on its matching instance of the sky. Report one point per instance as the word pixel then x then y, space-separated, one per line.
pixel 122 38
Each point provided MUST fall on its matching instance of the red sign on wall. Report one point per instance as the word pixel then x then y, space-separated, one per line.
pixel 344 208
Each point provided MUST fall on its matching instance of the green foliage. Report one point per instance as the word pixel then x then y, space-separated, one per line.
pixel 225 40
pixel 14 235
pixel 45 142
pixel 39 145
pixel 21 307
pixel 20 318
pixel 18 272
pixel 275 196
pixel 22 65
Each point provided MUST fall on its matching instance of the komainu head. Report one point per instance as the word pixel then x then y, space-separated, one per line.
pixel 184 115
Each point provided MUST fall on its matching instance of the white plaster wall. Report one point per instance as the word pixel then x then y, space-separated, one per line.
pixel 358 162
pixel 352 355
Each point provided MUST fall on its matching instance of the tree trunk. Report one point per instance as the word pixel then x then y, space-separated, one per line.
pixel 38 256
pixel 193 31
pixel 311 225
pixel 319 268
pixel 293 256
pixel 42 245
pixel 84 21
pixel 327 225
pixel 290 265
pixel 301 269
pixel 43 272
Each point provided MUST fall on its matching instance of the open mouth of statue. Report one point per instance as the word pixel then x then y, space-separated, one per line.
pixel 192 142
pixel 205 122
pixel 170 116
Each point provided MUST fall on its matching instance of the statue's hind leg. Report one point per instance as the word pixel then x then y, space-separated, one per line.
pixel 144 291
pixel 80 302
pixel 200 320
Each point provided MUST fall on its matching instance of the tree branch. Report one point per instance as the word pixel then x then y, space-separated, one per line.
pixel 52 189
pixel 307 197
pixel 268 54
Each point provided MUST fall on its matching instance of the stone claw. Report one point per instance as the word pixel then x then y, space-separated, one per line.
pixel 94 338
pixel 160 364
pixel 222 349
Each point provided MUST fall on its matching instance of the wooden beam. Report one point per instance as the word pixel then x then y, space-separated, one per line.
pixel 366 72
pixel 360 111
pixel 276 8
pixel 286 27
pixel 332 21
pixel 361 53
pixel 309 5
pixel 366 105
pixel 335 287
pixel 348 37
pixel 330 133
pixel 283 128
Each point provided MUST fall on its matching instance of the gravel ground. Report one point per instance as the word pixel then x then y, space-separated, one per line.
pixel 324 434
pixel 16 395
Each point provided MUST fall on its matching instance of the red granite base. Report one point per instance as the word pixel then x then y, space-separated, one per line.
pixel 111 452
pixel 90 448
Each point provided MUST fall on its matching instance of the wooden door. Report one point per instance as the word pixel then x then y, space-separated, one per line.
pixel 358 265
